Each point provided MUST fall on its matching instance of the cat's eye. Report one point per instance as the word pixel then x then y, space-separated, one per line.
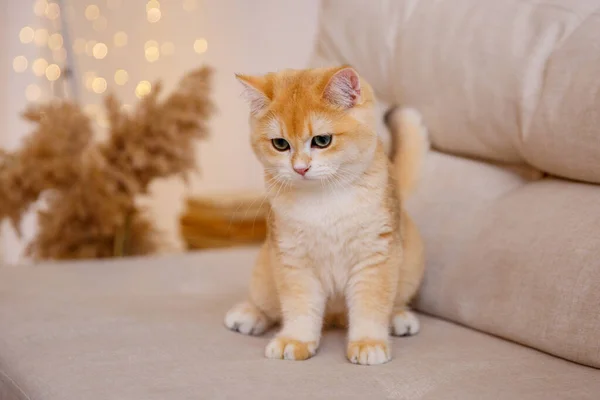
pixel 321 141
pixel 280 144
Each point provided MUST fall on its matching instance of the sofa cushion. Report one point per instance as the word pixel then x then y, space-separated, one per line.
pixel 517 259
pixel 152 329
pixel 512 80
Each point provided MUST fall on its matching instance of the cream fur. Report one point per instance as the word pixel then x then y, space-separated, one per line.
pixel 339 243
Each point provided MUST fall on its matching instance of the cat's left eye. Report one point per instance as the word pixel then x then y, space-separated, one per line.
pixel 321 141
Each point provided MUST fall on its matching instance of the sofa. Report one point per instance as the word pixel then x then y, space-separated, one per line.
pixel 508 205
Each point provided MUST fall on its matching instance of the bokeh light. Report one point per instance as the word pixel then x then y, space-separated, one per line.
pixel 55 41
pixel 200 45
pixel 39 67
pixel 100 51
pixel 142 89
pixel 92 12
pixel 52 11
pixel 153 15
pixel 20 64
pixel 120 39
pixel 99 85
pixel 26 34
pixel 52 72
pixel 121 77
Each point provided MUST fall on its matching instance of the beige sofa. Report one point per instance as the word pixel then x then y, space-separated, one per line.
pixel 509 208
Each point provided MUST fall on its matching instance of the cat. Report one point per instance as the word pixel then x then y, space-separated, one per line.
pixel 340 250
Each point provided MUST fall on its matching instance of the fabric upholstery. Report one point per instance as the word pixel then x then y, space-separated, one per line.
pixel 513 80
pixel 152 329
pixel 510 256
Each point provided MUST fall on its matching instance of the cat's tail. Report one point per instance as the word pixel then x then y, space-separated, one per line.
pixel 410 144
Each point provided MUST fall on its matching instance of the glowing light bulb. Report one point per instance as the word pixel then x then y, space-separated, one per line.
pixel 100 50
pixel 20 64
pixel 152 54
pixel 39 7
pixel 152 4
pixel 99 85
pixel 121 77
pixel 153 15
pixel 120 39
pixel 200 45
pixel 55 41
pixel 26 34
pixel 52 11
pixel 92 12
pixel 52 72
pixel 39 67
pixel 142 89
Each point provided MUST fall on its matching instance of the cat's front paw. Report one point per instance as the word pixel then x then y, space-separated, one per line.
pixel 369 352
pixel 283 348
pixel 405 323
pixel 245 318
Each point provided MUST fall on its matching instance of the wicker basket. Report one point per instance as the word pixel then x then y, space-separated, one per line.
pixel 224 221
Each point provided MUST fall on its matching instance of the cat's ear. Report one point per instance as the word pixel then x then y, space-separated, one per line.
pixel 253 92
pixel 343 88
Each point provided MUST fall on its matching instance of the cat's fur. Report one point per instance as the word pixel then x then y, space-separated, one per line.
pixel 340 249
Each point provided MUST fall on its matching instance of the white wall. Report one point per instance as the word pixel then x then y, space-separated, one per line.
pixel 243 36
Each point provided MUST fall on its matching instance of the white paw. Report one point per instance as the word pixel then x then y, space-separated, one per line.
pixel 368 352
pixel 245 318
pixel 281 348
pixel 405 323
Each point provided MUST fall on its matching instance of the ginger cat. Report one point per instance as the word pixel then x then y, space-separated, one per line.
pixel 340 250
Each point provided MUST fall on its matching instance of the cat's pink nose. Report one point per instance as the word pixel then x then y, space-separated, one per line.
pixel 302 170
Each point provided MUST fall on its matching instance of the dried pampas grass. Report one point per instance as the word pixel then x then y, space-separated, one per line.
pixel 90 187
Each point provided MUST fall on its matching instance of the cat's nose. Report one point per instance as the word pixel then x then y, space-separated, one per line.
pixel 302 169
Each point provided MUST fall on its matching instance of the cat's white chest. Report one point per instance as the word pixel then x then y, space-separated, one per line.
pixel 333 234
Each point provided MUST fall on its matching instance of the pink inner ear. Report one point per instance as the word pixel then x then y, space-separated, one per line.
pixel 343 88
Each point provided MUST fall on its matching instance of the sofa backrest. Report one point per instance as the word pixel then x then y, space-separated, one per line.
pixel 512 81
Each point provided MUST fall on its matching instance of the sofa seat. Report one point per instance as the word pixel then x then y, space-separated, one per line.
pixel 151 328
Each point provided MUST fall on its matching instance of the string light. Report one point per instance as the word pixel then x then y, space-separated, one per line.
pixel 39 67
pixel 167 48
pixel 55 41
pixel 152 54
pixel 32 92
pixel 120 39
pixel 79 45
pixel 99 85
pixel 100 50
pixel 40 37
pixel 152 4
pixel 153 15
pixel 20 64
pixel 40 7
pixel 92 12
pixel 200 45
pixel 142 89
pixel 52 72
pixel 26 34
pixel 121 77
pixel 52 11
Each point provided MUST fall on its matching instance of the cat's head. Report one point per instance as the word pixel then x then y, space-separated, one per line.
pixel 311 126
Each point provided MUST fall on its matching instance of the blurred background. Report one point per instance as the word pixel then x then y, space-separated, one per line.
pixel 82 50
